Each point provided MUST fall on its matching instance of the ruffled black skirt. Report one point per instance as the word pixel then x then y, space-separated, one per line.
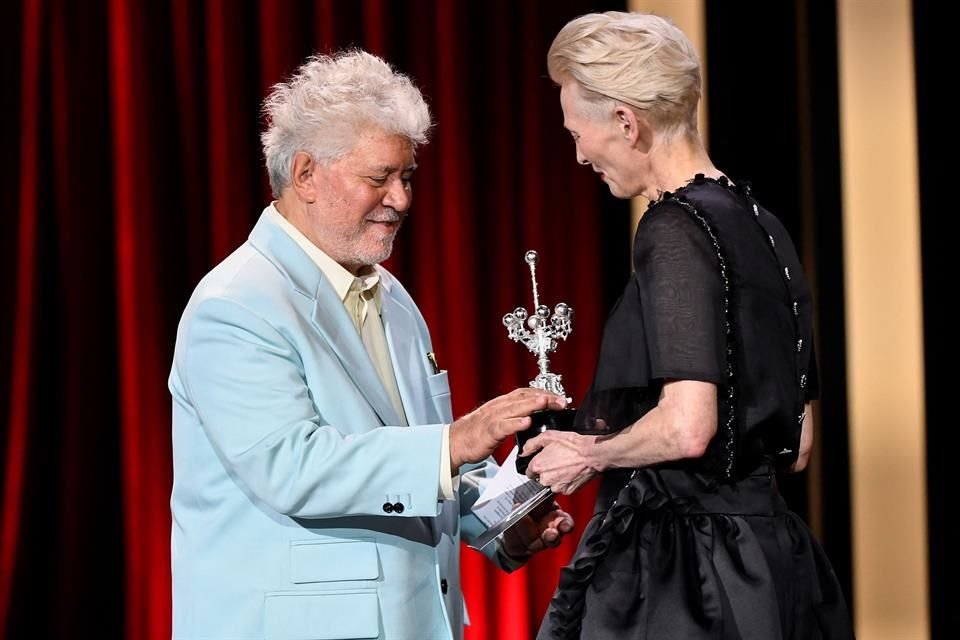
pixel 674 557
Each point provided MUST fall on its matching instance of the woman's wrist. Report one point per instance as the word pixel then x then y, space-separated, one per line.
pixel 593 454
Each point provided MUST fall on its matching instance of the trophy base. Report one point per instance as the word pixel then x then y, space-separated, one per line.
pixel 559 420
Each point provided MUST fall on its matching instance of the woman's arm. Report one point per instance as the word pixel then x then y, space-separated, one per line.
pixel 680 426
pixel 806 440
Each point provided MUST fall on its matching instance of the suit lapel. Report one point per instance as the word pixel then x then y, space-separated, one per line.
pixel 334 325
pixel 328 315
pixel 402 331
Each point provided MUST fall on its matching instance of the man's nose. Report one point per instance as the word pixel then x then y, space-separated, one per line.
pixel 580 158
pixel 399 196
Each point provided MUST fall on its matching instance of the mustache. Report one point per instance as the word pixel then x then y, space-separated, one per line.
pixel 387 214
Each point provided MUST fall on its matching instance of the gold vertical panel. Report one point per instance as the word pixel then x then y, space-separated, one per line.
pixel 881 245
pixel 689 15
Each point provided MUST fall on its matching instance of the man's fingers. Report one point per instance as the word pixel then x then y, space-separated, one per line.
pixel 531 400
pixel 544 511
pixel 556 520
pixel 509 426
pixel 542 530
pixel 562 522
pixel 523 406
pixel 550 537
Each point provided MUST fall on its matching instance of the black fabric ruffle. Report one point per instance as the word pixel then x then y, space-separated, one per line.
pixel 728 564
pixel 566 609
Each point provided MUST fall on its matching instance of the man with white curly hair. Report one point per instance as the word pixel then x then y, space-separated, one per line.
pixel 321 485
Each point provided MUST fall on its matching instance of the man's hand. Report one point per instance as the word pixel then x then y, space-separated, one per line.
pixel 475 436
pixel 543 528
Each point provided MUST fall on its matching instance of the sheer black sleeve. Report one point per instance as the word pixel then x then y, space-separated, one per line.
pixel 681 293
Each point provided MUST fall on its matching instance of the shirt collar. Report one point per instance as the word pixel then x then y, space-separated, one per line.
pixel 341 279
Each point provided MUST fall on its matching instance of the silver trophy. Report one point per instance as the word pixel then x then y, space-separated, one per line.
pixel 540 332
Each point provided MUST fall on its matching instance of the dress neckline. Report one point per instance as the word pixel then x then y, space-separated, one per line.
pixel 699 179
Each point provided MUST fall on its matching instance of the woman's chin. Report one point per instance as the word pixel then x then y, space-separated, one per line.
pixel 616 191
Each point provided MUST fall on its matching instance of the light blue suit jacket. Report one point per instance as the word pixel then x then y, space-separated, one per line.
pixel 284 459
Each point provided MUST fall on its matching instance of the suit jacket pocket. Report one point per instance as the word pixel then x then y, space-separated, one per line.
pixel 333 615
pixel 438 386
pixel 333 560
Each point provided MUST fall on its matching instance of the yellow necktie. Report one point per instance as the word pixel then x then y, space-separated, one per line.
pixel 366 317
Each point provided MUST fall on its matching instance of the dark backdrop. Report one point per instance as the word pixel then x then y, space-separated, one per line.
pixel 131 164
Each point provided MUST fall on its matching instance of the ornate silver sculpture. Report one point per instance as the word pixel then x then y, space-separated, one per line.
pixel 540 331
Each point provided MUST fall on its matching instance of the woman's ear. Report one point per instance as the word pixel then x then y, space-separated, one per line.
pixel 635 128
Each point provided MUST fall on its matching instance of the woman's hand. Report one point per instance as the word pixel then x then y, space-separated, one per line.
pixel 563 462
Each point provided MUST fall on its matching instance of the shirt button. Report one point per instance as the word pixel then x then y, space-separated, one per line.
pixel 397 507
pixel 443 585
pixel 387 507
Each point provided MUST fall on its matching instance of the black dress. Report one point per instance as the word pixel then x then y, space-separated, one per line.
pixel 705 548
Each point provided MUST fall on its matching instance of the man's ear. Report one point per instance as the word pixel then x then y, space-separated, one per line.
pixel 302 176
pixel 635 128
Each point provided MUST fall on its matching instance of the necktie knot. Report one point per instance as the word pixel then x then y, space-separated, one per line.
pixel 360 298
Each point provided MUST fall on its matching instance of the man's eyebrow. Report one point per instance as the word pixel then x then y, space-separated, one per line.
pixel 386 168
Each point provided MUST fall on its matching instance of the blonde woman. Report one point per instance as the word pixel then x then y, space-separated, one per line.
pixel 705 375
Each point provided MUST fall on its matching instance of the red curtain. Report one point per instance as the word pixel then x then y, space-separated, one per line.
pixel 131 165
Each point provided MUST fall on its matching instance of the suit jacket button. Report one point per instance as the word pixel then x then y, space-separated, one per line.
pixel 387 507
pixel 398 507
pixel 443 585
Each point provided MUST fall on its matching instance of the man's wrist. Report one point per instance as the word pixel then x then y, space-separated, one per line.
pixel 453 450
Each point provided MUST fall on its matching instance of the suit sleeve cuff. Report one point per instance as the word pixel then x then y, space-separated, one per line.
pixel 447 481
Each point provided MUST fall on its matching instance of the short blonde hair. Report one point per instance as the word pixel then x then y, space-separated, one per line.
pixel 642 60
pixel 327 104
